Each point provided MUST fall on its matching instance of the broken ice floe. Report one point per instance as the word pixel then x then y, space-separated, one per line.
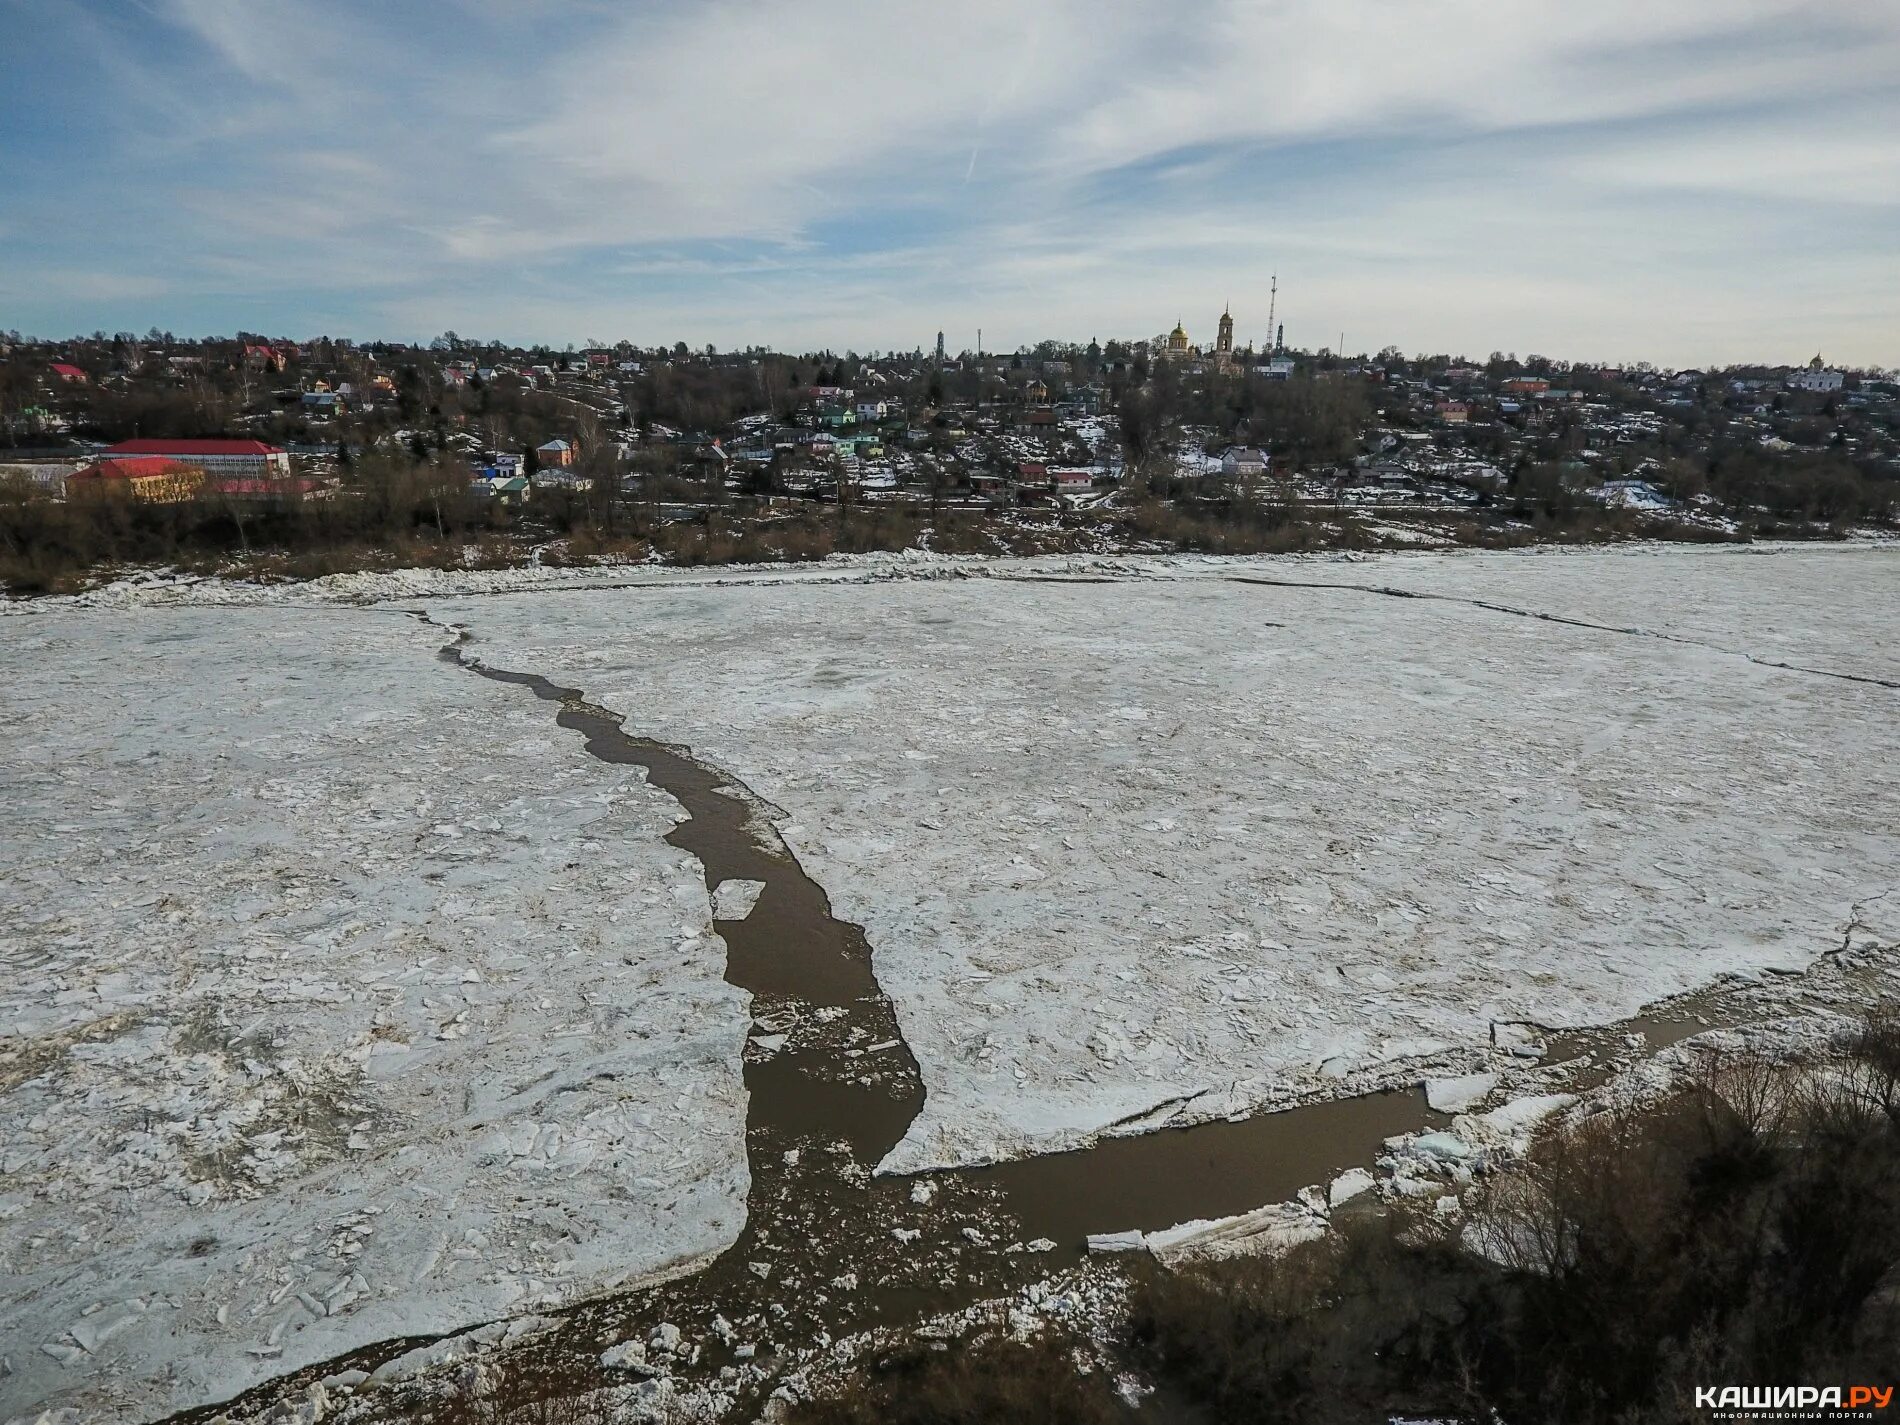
pixel 734 900
pixel 1456 1095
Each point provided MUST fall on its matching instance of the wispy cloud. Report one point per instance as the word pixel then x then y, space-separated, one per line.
pixel 1622 178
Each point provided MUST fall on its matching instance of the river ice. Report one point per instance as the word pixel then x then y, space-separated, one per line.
pixel 345 999
pixel 348 999
pixel 1181 837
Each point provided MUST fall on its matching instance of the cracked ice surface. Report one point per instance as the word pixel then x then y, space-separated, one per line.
pixel 344 998
pixel 1793 604
pixel 1115 844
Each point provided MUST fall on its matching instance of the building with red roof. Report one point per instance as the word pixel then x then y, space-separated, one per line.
pixel 69 373
pixel 148 479
pixel 216 457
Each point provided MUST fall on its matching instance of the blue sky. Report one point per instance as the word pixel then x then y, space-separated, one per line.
pixel 1686 182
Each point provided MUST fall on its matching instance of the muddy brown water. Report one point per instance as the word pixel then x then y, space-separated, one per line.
pixel 820 1255
pixel 1218 1169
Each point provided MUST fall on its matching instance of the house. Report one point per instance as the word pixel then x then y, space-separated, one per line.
pixel 1243 462
pixel 1452 413
pixel 500 467
pixel 213 457
pixel 1280 368
pixel 70 374
pixel 1032 472
pixel 149 479
pixel 1071 478
pixel 508 490
pixel 323 403
pixel 1386 474
pixel 556 454
pixel 870 412
pixel 1526 385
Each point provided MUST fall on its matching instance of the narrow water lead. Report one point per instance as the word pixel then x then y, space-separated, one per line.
pixel 790 953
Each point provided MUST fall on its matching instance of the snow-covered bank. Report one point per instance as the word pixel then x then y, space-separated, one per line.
pixel 162 588
pixel 1115 844
pixel 345 999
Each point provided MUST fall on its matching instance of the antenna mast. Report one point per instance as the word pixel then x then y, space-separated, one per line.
pixel 1273 301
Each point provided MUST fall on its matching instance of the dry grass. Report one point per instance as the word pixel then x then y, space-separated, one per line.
pixel 1747 1229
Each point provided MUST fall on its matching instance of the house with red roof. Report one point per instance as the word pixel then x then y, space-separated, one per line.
pixel 69 373
pixel 215 457
pixel 147 479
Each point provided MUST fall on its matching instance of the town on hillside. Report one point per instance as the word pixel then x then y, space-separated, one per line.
pixel 126 449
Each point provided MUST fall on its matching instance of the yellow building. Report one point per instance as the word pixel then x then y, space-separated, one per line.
pixel 148 479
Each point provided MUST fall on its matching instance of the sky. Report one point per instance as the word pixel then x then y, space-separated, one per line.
pixel 1682 181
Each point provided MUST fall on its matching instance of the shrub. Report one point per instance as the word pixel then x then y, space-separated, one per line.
pixel 990 1382
pixel 1744 1230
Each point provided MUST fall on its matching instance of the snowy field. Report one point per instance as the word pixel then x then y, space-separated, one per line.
pixel 1179 837
pixel 344 999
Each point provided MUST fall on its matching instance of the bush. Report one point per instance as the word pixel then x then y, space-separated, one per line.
pixel 990 1382
pixel 1744 1231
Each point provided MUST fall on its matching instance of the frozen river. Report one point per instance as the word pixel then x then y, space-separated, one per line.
pixel 348 1000
pixel 1183 836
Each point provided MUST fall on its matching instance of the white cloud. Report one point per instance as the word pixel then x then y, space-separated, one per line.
pixel 851 172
